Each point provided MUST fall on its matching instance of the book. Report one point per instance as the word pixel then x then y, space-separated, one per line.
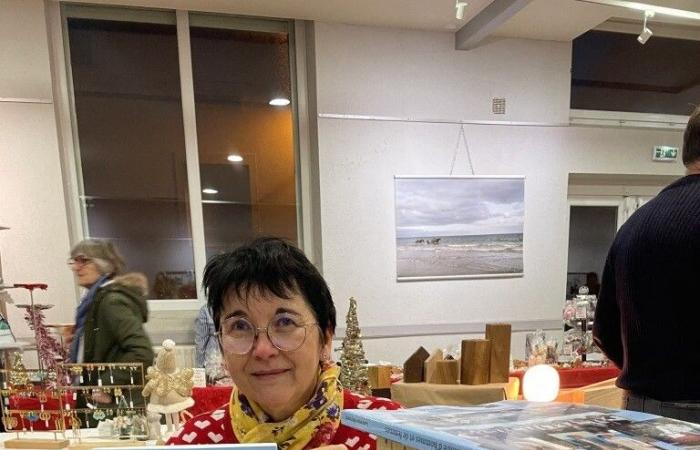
pixel 508 425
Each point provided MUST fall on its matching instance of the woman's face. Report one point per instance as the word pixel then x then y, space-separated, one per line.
pixel 279 381
pixel 85 270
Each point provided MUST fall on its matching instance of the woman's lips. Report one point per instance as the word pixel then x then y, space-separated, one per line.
pixel 267 374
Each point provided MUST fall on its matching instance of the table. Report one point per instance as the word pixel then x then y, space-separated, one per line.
pixel 411 395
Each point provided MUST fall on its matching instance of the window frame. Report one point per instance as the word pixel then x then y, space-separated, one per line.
pixel 305 152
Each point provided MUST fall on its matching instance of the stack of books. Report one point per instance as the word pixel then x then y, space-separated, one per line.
pixel 509 425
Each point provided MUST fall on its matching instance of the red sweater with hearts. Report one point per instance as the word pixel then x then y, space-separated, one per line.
pixel 214 427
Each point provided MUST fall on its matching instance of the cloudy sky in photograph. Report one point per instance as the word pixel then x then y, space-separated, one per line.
pixel 458 206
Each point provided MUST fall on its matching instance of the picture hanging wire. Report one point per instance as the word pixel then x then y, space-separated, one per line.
pixel 462 137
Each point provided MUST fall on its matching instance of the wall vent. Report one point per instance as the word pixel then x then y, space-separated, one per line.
pixel 498 106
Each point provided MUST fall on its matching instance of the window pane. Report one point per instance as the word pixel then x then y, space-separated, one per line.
pixel 614 72
pixel 236 74
pixel 132 153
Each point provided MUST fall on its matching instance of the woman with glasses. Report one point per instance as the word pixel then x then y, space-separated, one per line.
pixel 110 317
pixel 275 319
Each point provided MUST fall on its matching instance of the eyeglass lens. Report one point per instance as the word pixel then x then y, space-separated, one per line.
pixel 285 332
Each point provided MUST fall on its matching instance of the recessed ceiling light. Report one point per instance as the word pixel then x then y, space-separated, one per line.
pixel 459 6
pixel 235 158
pixel 210 191
pixel 279 101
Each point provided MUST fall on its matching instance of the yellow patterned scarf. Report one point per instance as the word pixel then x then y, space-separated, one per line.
pixel 316 422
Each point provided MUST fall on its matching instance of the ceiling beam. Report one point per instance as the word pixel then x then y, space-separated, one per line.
pixel 486 22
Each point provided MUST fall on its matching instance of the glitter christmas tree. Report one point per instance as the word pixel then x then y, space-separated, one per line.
pixel 353 374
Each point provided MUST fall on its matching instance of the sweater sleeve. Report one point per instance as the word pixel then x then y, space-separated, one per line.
pixel 607 332
pixel 212 427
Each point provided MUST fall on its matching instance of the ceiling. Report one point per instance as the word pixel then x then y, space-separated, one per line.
pixel 560 20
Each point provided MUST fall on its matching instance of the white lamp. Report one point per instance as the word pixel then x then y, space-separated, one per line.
pixel 541 383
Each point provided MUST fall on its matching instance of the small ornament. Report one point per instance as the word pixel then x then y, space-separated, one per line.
pixel 99 415
pixel 169 389
pixel 18 374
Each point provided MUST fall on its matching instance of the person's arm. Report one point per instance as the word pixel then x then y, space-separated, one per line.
pixel 607 331
pixel 124 322
pixel 201 336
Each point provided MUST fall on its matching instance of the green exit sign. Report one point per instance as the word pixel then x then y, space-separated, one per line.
pixel 664 153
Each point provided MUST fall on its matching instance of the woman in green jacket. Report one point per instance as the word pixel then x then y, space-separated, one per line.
pixel 110 317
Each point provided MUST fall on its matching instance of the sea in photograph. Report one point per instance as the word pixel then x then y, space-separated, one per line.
pixel 459 255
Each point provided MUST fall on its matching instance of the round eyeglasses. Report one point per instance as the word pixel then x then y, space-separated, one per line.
pixel 285 332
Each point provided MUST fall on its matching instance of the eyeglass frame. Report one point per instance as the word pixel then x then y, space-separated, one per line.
pixel 220 334
pixel 79 260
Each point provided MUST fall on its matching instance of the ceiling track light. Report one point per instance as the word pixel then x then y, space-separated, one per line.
pixel 646 31
pixel 459 6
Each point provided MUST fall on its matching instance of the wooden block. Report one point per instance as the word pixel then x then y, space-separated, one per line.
pixel 36 443
pixel 446 372
pixel 429 365
pixel 383 444
pixel 413 367
pixel 379 376
pixel 476 357
pixel 604 393
pixel 499 335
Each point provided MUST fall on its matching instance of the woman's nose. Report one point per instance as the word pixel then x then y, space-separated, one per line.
pixel 262 347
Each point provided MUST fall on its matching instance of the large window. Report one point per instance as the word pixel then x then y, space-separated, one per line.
pixel 246 147
pixel 613 72
pixel 135 143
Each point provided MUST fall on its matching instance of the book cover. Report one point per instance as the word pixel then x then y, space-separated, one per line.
pixel 508 425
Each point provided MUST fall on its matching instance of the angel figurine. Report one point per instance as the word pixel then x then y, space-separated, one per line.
pixel 170 389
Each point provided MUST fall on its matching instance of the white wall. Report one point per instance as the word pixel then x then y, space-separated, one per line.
pixel 418 74
pixel 360 71
pixel 31 194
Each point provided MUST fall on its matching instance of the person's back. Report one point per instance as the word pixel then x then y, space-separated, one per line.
pixel 655 256
pixel 647 309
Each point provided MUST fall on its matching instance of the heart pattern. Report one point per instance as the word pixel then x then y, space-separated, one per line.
pixel 202 424
pixel 218 414
pixel 215 427
pixel 364 404
pixel 215 437
pixel 189 437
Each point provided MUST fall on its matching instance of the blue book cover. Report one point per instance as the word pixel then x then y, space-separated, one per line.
pixel 508 425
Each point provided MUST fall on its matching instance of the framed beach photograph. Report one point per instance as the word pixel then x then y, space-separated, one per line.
pixel 459 227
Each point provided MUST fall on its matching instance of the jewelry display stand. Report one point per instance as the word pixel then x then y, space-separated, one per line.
pixel 98 395
pixel 67 400
pixel 20 383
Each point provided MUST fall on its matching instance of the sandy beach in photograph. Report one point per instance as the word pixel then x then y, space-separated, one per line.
pixel 460 255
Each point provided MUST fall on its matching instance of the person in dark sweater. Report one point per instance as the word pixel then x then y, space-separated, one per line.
pixel 647 313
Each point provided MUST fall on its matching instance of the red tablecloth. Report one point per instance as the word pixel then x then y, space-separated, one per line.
pixel 575 378
pixel 209 398
pixel 32 404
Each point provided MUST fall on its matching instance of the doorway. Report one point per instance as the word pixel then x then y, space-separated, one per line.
pixel 592 228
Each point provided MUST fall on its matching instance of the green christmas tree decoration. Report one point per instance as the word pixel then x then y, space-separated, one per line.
pixel 353 373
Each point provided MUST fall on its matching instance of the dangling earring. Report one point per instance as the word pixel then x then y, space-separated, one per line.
pixel 325 361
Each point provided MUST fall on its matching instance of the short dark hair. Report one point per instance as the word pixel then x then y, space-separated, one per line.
pixel 691 138
pixel 270 265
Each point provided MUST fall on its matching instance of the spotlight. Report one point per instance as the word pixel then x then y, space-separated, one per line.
pixel 459 6
pixel 646 31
